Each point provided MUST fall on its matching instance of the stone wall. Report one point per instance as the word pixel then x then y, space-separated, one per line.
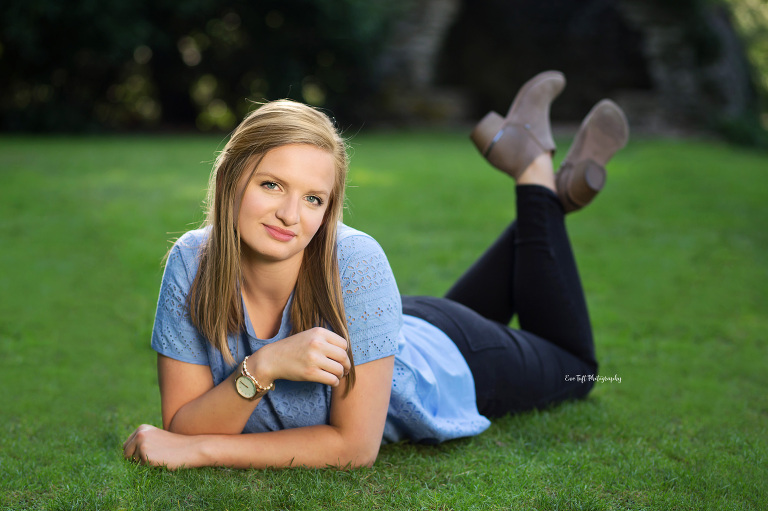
pixel 670 64
pixel 695 59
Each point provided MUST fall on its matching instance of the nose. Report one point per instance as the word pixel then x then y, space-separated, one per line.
pixel 288 212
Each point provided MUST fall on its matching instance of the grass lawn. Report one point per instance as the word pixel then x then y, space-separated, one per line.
pixel 674 259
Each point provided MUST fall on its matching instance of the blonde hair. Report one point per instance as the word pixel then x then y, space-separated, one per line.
pixel 215 304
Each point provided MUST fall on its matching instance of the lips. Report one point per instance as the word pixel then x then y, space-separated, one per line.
pixel 279 234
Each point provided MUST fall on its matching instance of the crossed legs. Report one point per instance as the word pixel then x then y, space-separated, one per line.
pixel 529 271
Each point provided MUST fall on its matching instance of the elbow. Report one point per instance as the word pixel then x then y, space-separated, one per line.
pixel 370 456
pixel 363 462
pixel 363 456
pixel 369 463
pixel 175 424
pixel 171 426
pixel 351 448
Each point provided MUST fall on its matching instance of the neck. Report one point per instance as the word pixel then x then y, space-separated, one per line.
pixel 267 286
pixel 270 281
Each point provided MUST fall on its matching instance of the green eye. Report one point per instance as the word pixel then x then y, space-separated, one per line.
pixel 313 199
pixel 269 185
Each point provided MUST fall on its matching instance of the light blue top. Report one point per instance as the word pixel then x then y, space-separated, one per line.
pixel 433 392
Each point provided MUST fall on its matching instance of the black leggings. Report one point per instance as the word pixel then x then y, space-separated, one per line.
pixel 529 271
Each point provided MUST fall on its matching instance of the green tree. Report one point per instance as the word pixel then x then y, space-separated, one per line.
pixel 133 63
pixel 751 17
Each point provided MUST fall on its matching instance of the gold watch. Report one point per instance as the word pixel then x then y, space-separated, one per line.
pixel 248 386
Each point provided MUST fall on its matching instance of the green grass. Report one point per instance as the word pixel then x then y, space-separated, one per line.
pixel 674 261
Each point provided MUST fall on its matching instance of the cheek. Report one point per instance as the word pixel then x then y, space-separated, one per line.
pixel 315 222
pixel 242 213
pixel 251 206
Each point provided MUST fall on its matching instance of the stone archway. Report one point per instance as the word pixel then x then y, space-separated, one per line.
pixel 670 64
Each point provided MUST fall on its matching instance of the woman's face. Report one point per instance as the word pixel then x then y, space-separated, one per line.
pixel 284 203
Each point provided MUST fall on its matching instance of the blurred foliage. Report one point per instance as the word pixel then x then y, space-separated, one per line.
pixel 137 63
pixel 132 64
pixel 751 19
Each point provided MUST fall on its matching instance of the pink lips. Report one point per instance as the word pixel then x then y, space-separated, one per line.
pixel 279 234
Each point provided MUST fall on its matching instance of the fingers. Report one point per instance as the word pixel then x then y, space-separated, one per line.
pixel 130 439
pixel 336 371
pixel 331 337
pixel 323 368
pixel 325 371
pixel 332 349
pixel 129 446
pixel 132 446
pixel 325 336
pixel 133 455
pixel 316 354
pixel 336 362
pixel 339 356
pixel 138 458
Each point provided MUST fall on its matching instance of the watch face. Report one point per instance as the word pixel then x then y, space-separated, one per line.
pixel 245 387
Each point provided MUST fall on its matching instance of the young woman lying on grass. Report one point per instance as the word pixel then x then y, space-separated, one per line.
pixel 282 338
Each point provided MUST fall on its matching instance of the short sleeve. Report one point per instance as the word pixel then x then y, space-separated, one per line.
pixel 371 298
pixel 173 334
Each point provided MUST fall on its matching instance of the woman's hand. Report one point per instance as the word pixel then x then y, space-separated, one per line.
pixel 193 405
pixel 149 445
pixel 317 355
pixel 351 439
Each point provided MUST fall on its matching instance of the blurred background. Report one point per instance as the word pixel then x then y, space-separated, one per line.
pixel 165 65
pixel 674 258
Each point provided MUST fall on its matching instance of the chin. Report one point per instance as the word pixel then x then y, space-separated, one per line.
pixel 278 253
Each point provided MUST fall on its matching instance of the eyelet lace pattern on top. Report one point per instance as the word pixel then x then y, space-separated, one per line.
pixel 372 305
pixel 374 317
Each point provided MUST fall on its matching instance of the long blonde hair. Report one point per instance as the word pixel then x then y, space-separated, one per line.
pixel 215 303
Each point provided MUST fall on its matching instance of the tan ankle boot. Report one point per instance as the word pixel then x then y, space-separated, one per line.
pixel 582 174
pixel 511 143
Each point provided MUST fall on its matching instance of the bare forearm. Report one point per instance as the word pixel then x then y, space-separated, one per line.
pixel 352 439
pixel 313 446
pixel 219 411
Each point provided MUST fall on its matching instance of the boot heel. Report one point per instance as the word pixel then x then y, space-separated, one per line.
pixel 582 174
pixel 577 187
pixel 485 131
